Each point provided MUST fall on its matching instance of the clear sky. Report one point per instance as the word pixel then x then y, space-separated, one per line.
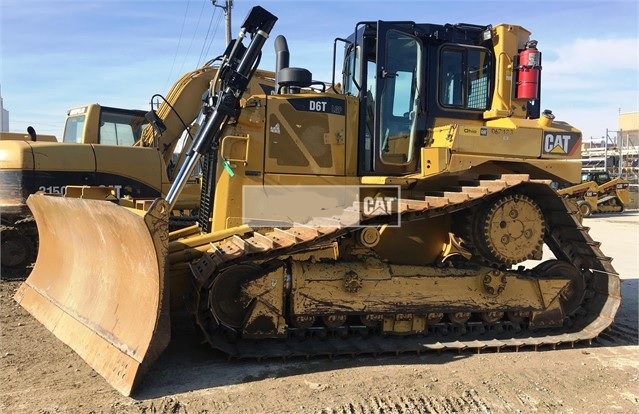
pixel 57 54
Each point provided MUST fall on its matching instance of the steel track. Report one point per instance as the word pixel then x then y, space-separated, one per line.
pixel 565 236
pixel 25 228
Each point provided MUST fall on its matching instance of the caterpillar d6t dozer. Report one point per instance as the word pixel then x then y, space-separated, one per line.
pixel 396 211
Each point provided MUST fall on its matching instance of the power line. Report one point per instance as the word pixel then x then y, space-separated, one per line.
pixel 178 46
pixel 192 38
pixel 203 53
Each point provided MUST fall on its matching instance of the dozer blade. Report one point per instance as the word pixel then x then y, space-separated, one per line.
pixel 100 284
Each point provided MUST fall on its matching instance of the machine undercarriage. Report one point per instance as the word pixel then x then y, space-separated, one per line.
pixel 319 290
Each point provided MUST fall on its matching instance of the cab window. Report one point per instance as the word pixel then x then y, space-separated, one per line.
pixel 120 128
pixel 73 129
pixel 400 97
pixel 464 78
pixel 351 72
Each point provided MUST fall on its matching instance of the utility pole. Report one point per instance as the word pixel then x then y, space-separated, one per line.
pixel 606 151
pixel 620 146
pixel 227 17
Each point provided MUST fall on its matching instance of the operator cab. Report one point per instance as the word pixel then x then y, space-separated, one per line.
pixel 407 76
pixel 600 177
pixel 96 124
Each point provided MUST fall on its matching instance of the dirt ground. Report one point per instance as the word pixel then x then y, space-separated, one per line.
pixel 39 374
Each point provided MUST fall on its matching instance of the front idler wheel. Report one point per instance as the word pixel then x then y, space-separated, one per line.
pixel 226 300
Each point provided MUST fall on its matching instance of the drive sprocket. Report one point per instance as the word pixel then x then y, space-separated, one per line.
pixel 508 230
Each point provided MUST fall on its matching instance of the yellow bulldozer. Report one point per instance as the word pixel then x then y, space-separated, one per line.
pixel 598 193
pixel 394 211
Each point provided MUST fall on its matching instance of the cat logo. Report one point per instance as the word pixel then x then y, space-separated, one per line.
pixel 561 143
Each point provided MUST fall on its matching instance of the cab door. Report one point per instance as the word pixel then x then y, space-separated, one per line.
pixel 398 79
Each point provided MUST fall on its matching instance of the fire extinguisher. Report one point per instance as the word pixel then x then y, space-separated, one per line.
pixel 528 71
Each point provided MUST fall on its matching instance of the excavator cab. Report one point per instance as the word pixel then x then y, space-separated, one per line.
pixel 96 124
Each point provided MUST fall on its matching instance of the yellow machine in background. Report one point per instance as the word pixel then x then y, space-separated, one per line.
pixel 103 146
pixel 30 163
pixel 599 193
pixel 29 136
pixel 391 213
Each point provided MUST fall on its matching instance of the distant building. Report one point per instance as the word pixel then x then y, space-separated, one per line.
pixel 628 131
pixel 4 116
pixel 618 152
